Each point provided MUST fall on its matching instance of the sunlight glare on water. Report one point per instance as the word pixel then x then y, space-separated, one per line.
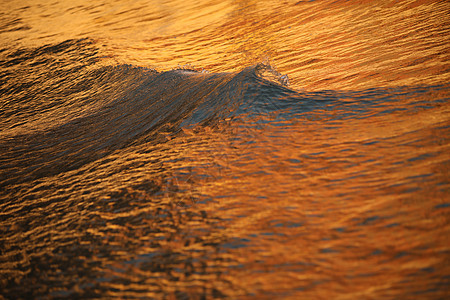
pixel 224 149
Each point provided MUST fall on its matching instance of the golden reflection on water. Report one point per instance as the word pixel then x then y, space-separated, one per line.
pixel 297 198
pixel 319 44
pixel 292 206
pixel 270 211
pixel 311 208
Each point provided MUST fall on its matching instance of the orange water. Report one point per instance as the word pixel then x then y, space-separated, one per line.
pixel 347 201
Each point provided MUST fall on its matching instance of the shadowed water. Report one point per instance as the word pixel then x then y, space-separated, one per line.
pixel 302 153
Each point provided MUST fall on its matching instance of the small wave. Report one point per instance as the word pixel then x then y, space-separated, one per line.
pixel 68 112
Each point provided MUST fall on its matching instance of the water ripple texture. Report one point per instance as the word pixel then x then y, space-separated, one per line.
pixel 224 149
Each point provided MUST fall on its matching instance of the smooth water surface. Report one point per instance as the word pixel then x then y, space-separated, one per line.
pixel 224 149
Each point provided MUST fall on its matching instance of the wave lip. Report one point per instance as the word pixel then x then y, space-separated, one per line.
pixel 267 72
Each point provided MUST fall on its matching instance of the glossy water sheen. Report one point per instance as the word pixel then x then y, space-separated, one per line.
pixel 149 149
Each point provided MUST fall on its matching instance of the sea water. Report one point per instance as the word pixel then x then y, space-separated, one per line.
pixel 224 149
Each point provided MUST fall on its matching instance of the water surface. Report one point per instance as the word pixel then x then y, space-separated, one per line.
pixel 224 149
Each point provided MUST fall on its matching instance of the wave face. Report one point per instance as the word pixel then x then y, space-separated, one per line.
pixel 123 181
pixel 58 123
pixel 95 111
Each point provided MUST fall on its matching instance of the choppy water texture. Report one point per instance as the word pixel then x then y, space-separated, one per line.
pixel 224 149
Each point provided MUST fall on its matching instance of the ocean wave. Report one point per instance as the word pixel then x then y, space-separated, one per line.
pixel 60 111
pixel 62 108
